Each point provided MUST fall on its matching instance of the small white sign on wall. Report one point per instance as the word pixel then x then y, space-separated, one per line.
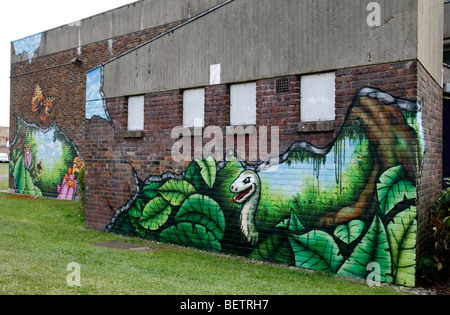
pixel 214 74
pixel 318 97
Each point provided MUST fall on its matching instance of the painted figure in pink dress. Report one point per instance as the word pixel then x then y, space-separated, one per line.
pixel 27 156
pixel 67 189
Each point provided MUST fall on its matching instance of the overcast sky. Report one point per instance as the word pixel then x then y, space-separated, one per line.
pixel 28 17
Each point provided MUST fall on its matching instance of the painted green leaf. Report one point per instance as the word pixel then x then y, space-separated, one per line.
pixel 139 229
pixel 30 188
pixel 136 209
pixel 348 233
pixel 284 225
pixel 37 192
pixel 193 175
pixel 295 226
pixel 204 211
pixel 394 188
pixel 275 249
pixel 316 250
pixel 188 234
pixel 402 233
pixel 292 224
pixel 19 175
pixel 176 191
pixel 208 170
pixel 14 156
pixel 22 179
pixel 151 190
pixel 155 214
pixel 373 248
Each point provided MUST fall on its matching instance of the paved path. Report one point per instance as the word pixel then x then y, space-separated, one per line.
pixel 3 177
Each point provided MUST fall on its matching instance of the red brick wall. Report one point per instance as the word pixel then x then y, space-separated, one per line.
pixel 430 181
pixel 399 79
pixel 150 155
pixel 112 154
pixel 66 82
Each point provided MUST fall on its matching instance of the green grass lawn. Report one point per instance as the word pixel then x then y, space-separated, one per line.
pixel 40 237
pixel 4 168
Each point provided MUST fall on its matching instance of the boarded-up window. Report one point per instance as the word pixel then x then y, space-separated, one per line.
pixel 194 108
pixel 136 113
pixel 243 104
pixel 318 97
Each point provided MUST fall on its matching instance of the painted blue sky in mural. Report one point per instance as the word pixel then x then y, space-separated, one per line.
pixel 299 175
pixel 48 148
pixel 95 102
pixel 29 45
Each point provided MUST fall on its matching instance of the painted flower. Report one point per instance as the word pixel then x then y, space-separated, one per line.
pixel 78 164
pixel 27 155
pixel 70 178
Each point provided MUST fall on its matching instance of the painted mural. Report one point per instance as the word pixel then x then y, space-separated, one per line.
pixel 42 105
pixel 337 209
pixel 28 45
pixel 44 162
pixel 95 99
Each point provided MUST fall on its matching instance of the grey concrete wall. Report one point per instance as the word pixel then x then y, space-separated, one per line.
pixel 431 36
pixel 121 21
pixel 255 39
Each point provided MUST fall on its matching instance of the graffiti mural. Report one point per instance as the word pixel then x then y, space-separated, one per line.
pixel 337 209
pixel 44 162
pixel 95 99
pixel 42 105
pixel 28 45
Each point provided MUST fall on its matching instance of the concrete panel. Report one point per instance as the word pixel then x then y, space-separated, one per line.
pixel 431 36
pixel 59 39
pixel 121 21
pixel 160 12
pixel 252 40
pixel 96 28
pixel 126 19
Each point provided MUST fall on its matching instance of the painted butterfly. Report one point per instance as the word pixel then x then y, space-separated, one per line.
pixel 41 105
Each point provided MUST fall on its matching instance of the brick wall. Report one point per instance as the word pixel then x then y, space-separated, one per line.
pixel 150 155
pixel 111 185
pixel 430 181
pixel 119 164
pixel 65 82
pixel 112 153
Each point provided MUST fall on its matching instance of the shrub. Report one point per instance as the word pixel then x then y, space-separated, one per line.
pixel 82 184
pixel 434 266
